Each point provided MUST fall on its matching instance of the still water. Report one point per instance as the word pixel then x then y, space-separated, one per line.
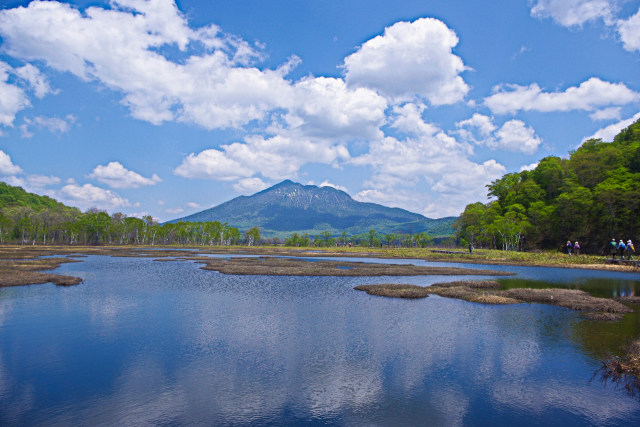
pixel 164 343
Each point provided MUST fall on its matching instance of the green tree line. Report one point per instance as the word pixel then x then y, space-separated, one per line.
pixel 590 197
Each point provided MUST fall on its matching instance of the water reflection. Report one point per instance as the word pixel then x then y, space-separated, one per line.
pixel 144 342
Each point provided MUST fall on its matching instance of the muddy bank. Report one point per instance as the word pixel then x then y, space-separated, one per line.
pixel 300 267
pixel 30 272
pixel 489 292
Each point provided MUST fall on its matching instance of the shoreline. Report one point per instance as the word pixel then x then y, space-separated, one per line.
pixel 23 264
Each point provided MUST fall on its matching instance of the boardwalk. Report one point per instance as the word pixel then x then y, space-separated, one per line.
pixel 623 261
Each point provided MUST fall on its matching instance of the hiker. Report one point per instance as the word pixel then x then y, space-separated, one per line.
pixel 576 248
pixel 621 248
pixel 630 249
pixel 613 248
pixel 569 247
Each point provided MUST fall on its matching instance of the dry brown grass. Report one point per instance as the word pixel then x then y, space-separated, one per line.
pixel 494 299
pixel 569 298
pixel 395 290
pixel 299 267
pixel 489 292
pixel 24 271
pixel 624 371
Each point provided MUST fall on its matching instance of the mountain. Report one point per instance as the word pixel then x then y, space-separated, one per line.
pixel 291 207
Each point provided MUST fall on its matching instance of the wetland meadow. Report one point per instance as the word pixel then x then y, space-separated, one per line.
pixel 266 336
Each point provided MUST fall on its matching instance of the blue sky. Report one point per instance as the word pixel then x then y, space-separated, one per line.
pixel 166 107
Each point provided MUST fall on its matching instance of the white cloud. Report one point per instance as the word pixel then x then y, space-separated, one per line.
pixel 118 47
pixel 590 95
pixel 629 31
pixel 408 119
pixel 12 98
pixel 435 162
pixel 330 184
pixel 117 176
pixel 514 135
pixel 193 205
pixel 529 167
pixel 174 210
pixel 88 196
pixel 610 113
pixel 33 183
pixel 327 108
pixel 212 164
pixel 410 59
pixel 35 79
pixel 52 124
pixel 483 123
pixel 249 186
pixel 608 133
pixel 6 165
pixel 574 12
pixel 275 158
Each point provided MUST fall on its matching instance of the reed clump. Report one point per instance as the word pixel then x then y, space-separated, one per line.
pixel 624 371
pixel 394 290
pixel 271 266
pixel 18 272
pixel 489 292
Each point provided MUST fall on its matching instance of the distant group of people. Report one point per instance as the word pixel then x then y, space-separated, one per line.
pixel 573 247
pixel 621 249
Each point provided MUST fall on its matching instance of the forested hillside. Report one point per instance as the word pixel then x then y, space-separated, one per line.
pixel 591 197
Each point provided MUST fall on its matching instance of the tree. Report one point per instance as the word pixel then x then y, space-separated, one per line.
pixel 253 236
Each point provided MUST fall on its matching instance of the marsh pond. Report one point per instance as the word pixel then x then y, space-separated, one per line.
pixel 167 343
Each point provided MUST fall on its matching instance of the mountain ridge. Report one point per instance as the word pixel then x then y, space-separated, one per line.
pixel 289 207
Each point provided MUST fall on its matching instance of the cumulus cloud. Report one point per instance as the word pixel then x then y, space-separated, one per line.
pixel 326 183
pixel 411 59
pixel 326 108
pixel 117 176
pixel 275 158
pixel 35 79
pixel 193 205
pixel 33 183
pixel 588 96
pixel 529 167
pixel 608 133
pixel 610 113
pixel 118 47
pixel 434 161
pixel 6 165
pixel 484 124
pixel 249 186
pixel 573 12
pixel 629 31
pixel 408 119
pixel 514 135
pixel 12 98
pixel 87 196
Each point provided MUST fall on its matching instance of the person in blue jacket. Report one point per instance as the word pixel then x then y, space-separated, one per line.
pixel 621 247
pixel 569 247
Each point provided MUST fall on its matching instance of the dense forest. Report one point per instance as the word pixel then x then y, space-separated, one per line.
pixel 27 218
pixel 592 196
